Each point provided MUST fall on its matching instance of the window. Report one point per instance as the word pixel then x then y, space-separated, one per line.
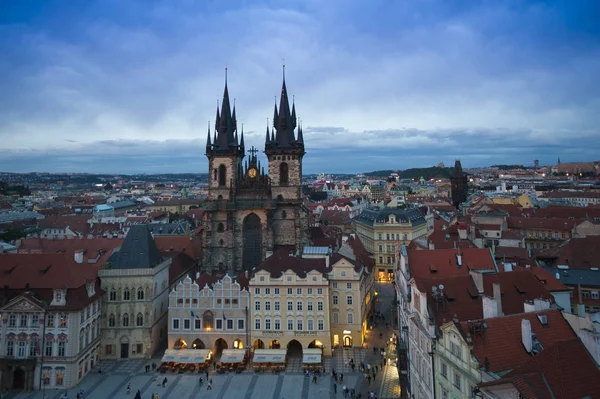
pixel 139 348
pixel 23 320
pixel 277 324
pixel 267 305
pixel 62 321
pixel 60 376
pixel 457 380
pixel 61 349
pixel 277 306
pixel 222 175
pixel 50 320
pixel 10 348
pixel 336 317
pixel 267 291
pixel 335 285
pixel 32 346
pixel 350 318
pixel 289 291
pixel 299 306
pixel 108 349
pixel 298 291
pixel 197 324
pixel 257 291
pixel 444 370
pixel 140 294
pixel 125 320
pixel 381 259
pixel 594 294
pixel 349 299
pixel 349 286
pixel 46 376
pixel 320 325
pixel 12 320
pixel 456 350
pixel 186 323
pixel 111 320
pixel 257 324
pixel 309 291
pixel 262 278
pixel 319 291
pixel 310 325
pixel 126 294
pixel 380 248
pixel 335 299
pixel 175 324
pixel 320 306
pixel 444 393
pixel 283 173
pixel 299 324
pixel 290 306
pixel 379 236
pixel 257 305
pixel 309 306
pixel 230 324
pixel 343 273
pixel 276 291
pixel 21 349
pixel 240 324
pixel 48 348
pixel 267 324
pixel 219 324
pixel 290 325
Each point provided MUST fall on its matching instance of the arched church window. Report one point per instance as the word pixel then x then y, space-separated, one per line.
pixel 283 173
pixel 283 214
pixel 220 227
pixel 215 175
pixel 222 175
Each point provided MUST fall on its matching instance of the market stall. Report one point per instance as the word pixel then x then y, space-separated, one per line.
pixel 269 359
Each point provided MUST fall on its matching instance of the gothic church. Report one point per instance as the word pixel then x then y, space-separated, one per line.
pixel 249 212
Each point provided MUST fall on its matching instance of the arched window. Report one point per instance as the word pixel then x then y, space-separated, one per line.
pixel 215 175
pixel 125 320
pixel 140 320
pixel 222 175
pixel 126 294
pixel 111 320
pixel 283 173
pixel 140 295
pixel 283 214
pixel 112 294
pixel 220 227
pixel 207 319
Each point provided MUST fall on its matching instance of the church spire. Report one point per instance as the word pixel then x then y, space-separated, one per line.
pixel 226 129
pixel 208 143
pixel 242 141
pixel 268 137
pixel 300 135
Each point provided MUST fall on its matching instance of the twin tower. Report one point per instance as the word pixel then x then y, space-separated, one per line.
pixel 251 213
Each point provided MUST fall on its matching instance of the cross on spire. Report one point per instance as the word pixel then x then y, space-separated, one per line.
pixel 253 151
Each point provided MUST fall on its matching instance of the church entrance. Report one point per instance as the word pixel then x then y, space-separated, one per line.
pixel 252 255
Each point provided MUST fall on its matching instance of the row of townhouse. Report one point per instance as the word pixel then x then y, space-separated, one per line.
pixel 465 326
pixel 317 300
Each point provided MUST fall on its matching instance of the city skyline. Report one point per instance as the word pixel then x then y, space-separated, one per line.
pixel 104 87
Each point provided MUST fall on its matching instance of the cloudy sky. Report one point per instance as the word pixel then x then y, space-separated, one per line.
pixel 128 86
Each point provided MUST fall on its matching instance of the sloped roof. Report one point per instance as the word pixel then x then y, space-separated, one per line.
pixel 78 224
pixel 281 261
pixel 138 251
pixel 98 249
pixel 444 261
pixel 560 224
pixel 577 253
pixel 371 216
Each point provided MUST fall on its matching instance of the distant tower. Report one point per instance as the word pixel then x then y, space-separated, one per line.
pixel 536 163
pixel 458 185
pixel 559 160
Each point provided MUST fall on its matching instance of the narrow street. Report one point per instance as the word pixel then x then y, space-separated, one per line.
pixel 386 383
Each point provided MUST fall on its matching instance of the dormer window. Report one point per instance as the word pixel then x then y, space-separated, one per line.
pixel 91 289
pixel 59 298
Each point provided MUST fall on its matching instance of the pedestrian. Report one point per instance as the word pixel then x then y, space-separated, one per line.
pixel 152 395
pixel 352 392
pixel 78 395
pixel 345 390
pixel 334 387
pixel 200 381
pixel 128 388
pixel 153 366
pixel 164 382
pixel 376 369
pixel 209 387
pixel 138 394
pixel 341 377
pixel 369 378
pixel 214 365
pixel 206 375
pixel 210 381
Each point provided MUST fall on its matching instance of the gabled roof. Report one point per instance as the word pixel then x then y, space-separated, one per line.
pixel 95 250
pixel 137 252
pixel 507 330
pixel 281 261
pixel 78 224
pixel 559 224
pixel 445 262
pixel 564 370
pixel 577 253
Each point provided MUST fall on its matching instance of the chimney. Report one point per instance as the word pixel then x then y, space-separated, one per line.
pixel 246 274
pixel 498 297
pixel 459 260
pixel 526 337
pixel 478 280
pixel 490 307
pixel 580 310
pixel 197 275
pixel 78 256
pixel 431 245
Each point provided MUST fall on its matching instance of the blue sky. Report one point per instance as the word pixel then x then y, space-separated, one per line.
pixel 128 86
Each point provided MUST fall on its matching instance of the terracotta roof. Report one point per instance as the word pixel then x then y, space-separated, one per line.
pixel 338 218
pixel 443 262
pixel 511 253
pixel 189 245
pixel 577 253
pixel 507 330
pixel 95 250
pixel 363 257
pixel 181 264
pixel 78 224
pixel 564 370
pixel 566 212
pixel 559 224
pixel 281 261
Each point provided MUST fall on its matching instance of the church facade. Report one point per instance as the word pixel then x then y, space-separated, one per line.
pixel 250 211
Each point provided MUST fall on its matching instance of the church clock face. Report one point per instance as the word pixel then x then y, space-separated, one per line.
pixel 252 173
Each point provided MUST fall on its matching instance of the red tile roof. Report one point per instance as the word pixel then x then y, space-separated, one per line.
pixel 566 212
pixel 181 264
pixel 281 261
pixel 577 253
pixel 190 245
pixel 443 262
pixel 507 330
pixel 95 250
pixel 558 224
pixel 78 224
pixel 564 370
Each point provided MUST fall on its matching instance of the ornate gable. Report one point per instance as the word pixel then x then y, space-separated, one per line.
pixel 23 303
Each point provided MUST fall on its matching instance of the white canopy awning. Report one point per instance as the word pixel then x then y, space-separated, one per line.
pixel 233 355
pixel 311 356
pixel 269 356
pixel 186 355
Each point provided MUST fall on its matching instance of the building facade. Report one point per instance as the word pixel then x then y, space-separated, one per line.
pixel 249 213
pixel 383 231
pixel 136 282
pixel 50 338
pixel 209 313
pixel 290 304
pixel 458 185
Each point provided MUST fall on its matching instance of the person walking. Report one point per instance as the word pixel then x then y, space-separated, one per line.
pixel 128 388
pixel 206 374
pixel 164 382
pixel 209 386
pixel 200 381
pixel 334 387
